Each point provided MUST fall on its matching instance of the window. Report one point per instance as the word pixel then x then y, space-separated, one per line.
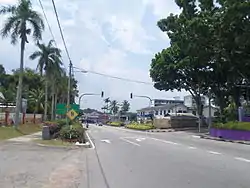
pixel 168 111
pixel 156 112
pixel 164 112
pixel 161 112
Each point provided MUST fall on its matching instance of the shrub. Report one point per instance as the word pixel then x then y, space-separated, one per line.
pixel 76 132
pixel 116 124
pixel 233 125
pixel 138 126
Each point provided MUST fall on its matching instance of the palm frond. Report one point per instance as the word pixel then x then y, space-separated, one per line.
pixel 35 55
pixel 7 9
pixel 37 30
pixel 9 24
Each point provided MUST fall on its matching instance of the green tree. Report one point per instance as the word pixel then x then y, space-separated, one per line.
pixel 49 61
pixel 23 21
pixel 36 97
pixel 114 107
pixel 125 107
pixel 107 102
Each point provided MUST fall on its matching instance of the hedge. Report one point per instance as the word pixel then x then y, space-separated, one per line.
pixel 115 124
pixel 233 125
pixel 140 126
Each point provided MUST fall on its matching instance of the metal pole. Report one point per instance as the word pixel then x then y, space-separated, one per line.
pixel 69 88
pixel 209 113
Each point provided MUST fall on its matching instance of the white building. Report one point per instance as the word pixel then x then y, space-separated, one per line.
pixel 190 102
pixel 161 102
pixel 161 111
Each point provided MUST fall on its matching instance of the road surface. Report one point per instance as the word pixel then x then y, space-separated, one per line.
pixel 132 159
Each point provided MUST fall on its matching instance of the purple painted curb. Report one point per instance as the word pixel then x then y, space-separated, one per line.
pixel 230 134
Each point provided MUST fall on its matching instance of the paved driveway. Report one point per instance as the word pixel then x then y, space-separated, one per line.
pixel 26 165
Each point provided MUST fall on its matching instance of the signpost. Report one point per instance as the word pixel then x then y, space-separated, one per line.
pixel 71 113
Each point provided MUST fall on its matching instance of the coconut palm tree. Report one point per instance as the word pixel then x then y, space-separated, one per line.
pixel 22 21
pixel 114 107
pixel 125 107
pixel 49 61
pixel 36 97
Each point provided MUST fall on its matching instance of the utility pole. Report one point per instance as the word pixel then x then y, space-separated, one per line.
pixel 69 88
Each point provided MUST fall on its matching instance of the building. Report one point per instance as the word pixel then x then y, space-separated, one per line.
pixel 190 102
pixel 161 102
pixel 161 111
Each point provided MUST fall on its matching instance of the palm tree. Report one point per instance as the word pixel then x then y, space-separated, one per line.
pixel 49 62
pixel 114 107
pixel 107 102
pixel 36 97
pixel 23 21
pixel 125 106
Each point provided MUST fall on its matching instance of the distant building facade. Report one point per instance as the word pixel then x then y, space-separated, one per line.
pixel 161 102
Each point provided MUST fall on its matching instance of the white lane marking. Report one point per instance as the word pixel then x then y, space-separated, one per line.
pixel 140 139
pixel 195 136
pixel 128 141
pixel 191 147
pixel 165 141
pixel 214 152
pixel 91 142
pixel 242 159
pixel 107 141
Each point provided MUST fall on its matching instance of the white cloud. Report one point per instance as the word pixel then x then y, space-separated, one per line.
pixel 106 51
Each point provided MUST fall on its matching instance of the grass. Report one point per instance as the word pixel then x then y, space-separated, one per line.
pixel 245 126
pixel 115 124
pixel 11 132
pixel 142 127
pixel 54 142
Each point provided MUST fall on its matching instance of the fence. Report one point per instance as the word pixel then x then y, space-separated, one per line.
pixel 7 118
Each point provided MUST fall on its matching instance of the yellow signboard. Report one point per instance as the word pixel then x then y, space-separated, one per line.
pixel 72 114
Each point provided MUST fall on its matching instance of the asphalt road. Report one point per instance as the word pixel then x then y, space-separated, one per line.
pixel 131 159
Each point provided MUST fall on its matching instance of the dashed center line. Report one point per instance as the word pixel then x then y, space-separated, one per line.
pixel 242 159
pixel 165 141
pixel 128 141
pixel 214 152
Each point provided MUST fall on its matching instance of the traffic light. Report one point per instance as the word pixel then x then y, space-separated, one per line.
pixel 131 95
pixel 102 94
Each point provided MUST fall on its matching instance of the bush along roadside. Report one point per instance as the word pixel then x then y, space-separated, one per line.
pixel 142 127
pixel 74 133
pixel 244 126
pixel 116 124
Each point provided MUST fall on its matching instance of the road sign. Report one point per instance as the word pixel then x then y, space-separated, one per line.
pixel 61 108
pixel 72 114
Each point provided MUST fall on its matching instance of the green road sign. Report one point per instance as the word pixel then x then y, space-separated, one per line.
pixel 61 108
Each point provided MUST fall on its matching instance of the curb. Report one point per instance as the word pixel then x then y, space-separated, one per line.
pixel 59 147
pixel 224 140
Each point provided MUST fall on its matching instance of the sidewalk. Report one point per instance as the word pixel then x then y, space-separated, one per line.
pixel 27 138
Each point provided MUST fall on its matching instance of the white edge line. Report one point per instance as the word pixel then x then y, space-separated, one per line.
pixel 130 142
pixel 242 159
pixel 195 136
pixel 214 152
pixel 91 142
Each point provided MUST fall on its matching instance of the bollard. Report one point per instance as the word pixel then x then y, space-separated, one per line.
pixel 46 133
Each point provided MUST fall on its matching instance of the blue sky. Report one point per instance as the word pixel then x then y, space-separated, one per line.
pixel 117 38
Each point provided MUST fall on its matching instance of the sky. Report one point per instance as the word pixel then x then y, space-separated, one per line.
pixel 117 38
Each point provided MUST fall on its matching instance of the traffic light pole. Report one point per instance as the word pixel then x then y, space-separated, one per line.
pixel 89 94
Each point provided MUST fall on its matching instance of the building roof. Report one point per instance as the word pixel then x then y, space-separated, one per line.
pixel 163 107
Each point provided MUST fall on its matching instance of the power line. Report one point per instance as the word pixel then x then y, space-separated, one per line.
pixel 44 14
pixel 60 28
pixel 114 77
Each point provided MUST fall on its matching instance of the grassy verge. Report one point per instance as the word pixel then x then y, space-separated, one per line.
pixel 11 132
pixel 244 126
pixel 54 142
pixel 141 127
pixel 115 124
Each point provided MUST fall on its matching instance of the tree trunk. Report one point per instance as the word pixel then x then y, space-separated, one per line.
pixel 46 98
pixel 52 103
pixel 199 107
pixel 55 104
pixel 20 85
